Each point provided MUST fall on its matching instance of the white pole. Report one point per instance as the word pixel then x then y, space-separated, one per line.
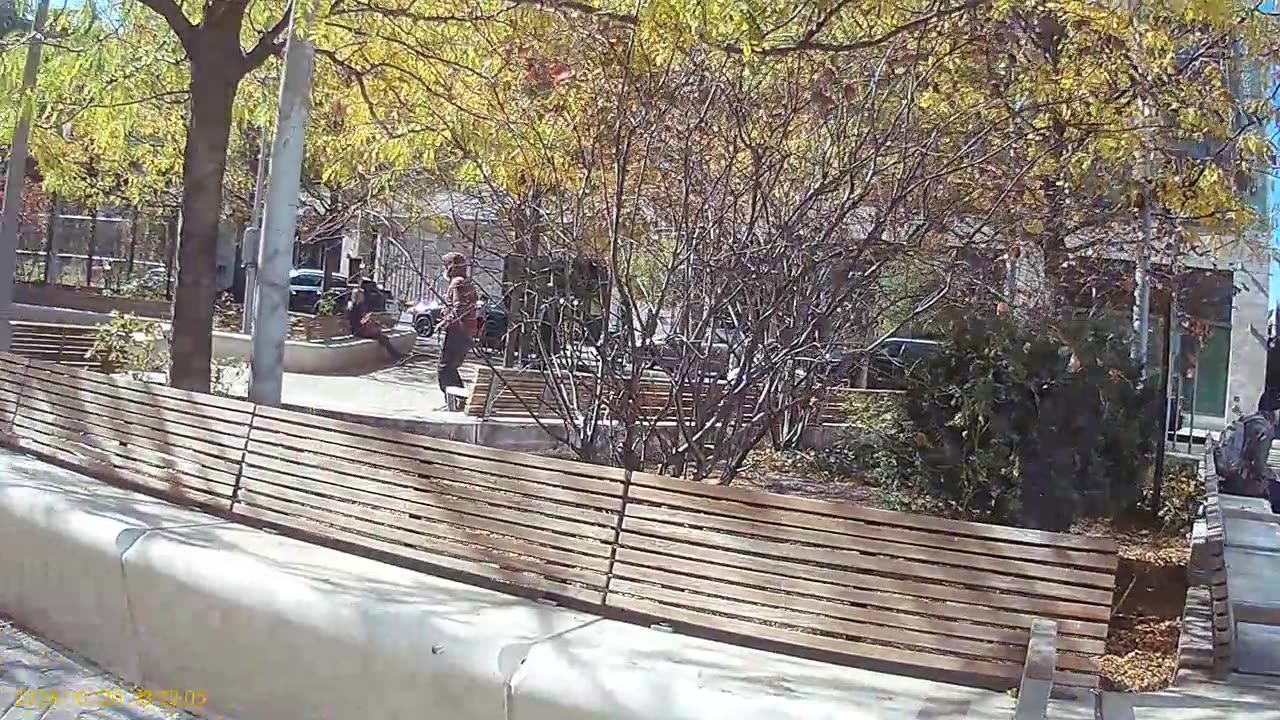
pixel 16 178
pixel 275 257
pixel 1142 288
pixel 252 234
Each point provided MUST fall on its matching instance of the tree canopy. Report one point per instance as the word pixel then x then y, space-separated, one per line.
pixel 1025 127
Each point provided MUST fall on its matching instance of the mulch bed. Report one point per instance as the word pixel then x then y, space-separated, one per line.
pixel 1151 591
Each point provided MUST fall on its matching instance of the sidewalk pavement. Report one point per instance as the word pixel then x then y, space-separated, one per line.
pixel 40 682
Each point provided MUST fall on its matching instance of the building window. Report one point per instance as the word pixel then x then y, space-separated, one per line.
pixel 1204 373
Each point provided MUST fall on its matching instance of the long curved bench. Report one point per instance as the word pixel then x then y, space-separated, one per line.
pixel 940 599
pixel 273 628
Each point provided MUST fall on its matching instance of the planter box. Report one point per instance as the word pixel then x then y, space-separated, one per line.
pixel 87 299
pixel 341 356
pixel 325 328
pixel 319 329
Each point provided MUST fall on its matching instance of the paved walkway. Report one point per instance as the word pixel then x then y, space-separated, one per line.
pixel 40 682
pixel 404 392
pixel 1253 564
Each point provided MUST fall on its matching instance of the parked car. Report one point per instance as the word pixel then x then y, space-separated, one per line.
pixel 669 351
pixel 491 316
pixel 306 286
pixel 889 365
pixel 156 279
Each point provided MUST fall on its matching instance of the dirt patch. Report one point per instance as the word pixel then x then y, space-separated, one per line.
pixel 1146 622
pixel 1142 653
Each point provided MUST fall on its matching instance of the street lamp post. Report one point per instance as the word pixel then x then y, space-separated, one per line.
pixel 275 255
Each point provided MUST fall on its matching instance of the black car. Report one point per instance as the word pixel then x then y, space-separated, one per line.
pixel 490 314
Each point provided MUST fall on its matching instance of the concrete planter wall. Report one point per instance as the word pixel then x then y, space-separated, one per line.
pixel 332 356
pixel 340 356
pixel 87 299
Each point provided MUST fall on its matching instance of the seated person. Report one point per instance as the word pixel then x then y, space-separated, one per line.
pixel 1241 457
pixel 363 325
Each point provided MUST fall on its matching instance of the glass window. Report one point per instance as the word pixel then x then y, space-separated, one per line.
pixel 1204 373
pixel 308 280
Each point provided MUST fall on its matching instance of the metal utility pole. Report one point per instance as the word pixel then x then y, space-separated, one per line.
pixel 275 257
pixel 1142 286
pixel 15 180
pixel 252 234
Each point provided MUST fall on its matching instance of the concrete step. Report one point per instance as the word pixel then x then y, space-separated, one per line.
pixel 1083 709
pixel 1199 697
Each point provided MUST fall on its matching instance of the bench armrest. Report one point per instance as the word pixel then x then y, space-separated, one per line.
pixel 1037 673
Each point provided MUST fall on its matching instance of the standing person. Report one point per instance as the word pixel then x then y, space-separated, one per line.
pixel 458 322
pixel 362 324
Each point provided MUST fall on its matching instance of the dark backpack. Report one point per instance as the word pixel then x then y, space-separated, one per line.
pixel 1229 453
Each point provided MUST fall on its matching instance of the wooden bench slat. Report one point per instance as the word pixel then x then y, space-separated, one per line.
pixel 1084 636
pixel 415 475
pixel 599 474
pixel 159 395
pixel 982 579
pixel 1031 561
pixel 443 453
pixel 194 430
pixel 163 467
pixel 107 467
pixel 77 428
pixel 877 580
pixel 808 623
pixel 9 393
pixel 111 394
pixel 851 511
pixel 446 494
pixel 429 538
pixel 930 630
pixel 569 565
pixel 310 528
pixel 1003 673
pixel 464 515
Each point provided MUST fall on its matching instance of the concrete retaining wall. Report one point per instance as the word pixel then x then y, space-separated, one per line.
pixel 88 299
pixel 341 356
pixel 275 629
pixel 334 357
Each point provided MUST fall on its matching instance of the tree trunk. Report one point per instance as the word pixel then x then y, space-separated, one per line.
pixel 213 90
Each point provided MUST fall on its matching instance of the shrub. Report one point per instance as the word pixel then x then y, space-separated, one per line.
pixel 139 288
pixel 127 344
pixel 1031 426
pixel 1181 494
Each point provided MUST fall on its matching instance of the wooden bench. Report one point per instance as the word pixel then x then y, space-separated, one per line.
pixel 13 380
pixel 533 524
pixel 947 599
pixel 63 344
pixel 955 601
pixel 185 446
